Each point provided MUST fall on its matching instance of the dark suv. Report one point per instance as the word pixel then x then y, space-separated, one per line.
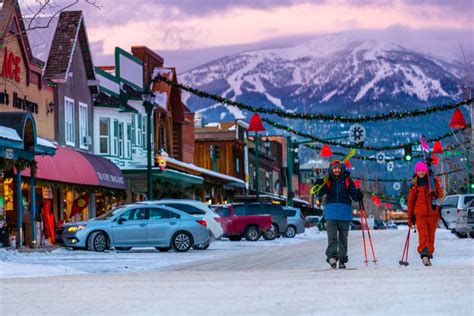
pixel 279 216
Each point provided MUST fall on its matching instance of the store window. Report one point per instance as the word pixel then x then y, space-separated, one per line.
pixel 104 130
pixel 83 125
pixel 121 140
pixel 69 121
pixel 129 141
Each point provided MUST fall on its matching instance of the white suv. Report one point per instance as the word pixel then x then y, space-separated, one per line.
pixel 452 205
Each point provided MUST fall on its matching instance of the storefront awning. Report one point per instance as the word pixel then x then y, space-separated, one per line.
pixel 169 174
pixel 74 167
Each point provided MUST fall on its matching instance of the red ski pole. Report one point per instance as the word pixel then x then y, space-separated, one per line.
pixel 405 250
pixel 363 234
pixel 368 234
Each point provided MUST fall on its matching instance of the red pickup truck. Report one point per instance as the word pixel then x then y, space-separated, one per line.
pixel 236 226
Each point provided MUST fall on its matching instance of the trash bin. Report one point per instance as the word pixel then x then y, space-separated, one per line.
pixel 13 241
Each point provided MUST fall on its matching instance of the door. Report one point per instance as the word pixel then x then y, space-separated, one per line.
pixel 130 229
pixel 161 226
pixel 225 219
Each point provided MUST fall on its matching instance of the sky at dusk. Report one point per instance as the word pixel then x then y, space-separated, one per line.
pixel 177 25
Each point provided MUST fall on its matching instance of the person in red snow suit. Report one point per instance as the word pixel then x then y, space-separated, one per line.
pixel 420 211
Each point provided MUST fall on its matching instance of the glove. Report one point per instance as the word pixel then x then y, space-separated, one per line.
pixel 359 195
pixel 411 221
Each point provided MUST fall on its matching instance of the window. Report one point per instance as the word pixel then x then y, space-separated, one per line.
pixel 290 213
pixel 187 208
pixel 116 145
pixel 83 125
pixel 451 201
pixel 69 121
pixel 134 136
pixel 468 199
pixel 224 212
pixel 139 130
pixel 237 165
pixel 104 135
pixel 144 127
pixel 120 140
pixel 158 213
pixel 129 140
pixel 239 210
pixel 139 214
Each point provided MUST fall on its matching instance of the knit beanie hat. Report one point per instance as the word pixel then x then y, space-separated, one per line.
pixel 421 166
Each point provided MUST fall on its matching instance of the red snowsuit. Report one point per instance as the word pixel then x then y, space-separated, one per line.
pixel 419 203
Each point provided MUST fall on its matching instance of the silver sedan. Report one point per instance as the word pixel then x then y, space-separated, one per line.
pixel 136 225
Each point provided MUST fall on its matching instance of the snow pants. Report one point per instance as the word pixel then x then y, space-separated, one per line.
pixel 337 239
pixel 426 226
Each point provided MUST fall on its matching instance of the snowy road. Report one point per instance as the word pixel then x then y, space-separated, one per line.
pixel 284 277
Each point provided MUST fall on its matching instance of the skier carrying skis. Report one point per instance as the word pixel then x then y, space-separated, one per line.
pixel 421 212
pixel 339 190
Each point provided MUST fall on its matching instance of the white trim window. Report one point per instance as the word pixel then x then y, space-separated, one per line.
pixel 104 135
pixel 116 143
pixel 139 130
pixel 83 125
pixel 144 130
pixel 121 140
pixel 69 121
pixel 129 141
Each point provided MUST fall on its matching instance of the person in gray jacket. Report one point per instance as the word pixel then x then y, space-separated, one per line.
pixel 340 191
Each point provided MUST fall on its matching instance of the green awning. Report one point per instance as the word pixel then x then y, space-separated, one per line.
pixel 168 175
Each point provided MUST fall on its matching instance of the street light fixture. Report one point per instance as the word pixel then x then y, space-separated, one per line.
pixel 148 98
pixel 267 143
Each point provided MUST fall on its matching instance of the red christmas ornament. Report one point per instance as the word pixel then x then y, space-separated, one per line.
pixel 256 124
pixel 387 205
pixel 437 147
pixel 326 151
pixel 356 183
pixel 435 160
pixel 348 164
pixel 374 198
pixel 457 120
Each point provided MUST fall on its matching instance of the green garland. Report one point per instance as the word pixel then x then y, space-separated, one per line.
pixel 320 117
pixel 374 148
pixel 404 179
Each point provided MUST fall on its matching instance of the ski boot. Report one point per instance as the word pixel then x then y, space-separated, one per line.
pixel 426 261
pixel 333 262
pixel 342 265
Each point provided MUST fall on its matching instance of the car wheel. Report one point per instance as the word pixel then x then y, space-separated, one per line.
pixel 182 241
pixel 163 249
pixel 235 238
pixel 123 248
pixel 252 233
pixel 460 235
pixel 271 233
pixel 97 242
pixel 202 246
pixel 290 232
pixel 471 234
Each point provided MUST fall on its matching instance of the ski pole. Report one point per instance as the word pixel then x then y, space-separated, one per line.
pixel 368 234
pixel 363 234
pixel 405 250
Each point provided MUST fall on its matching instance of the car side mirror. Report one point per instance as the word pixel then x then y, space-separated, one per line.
pixel 121 220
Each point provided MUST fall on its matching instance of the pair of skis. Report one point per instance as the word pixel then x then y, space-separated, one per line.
pixel 435 205
pixel 365 226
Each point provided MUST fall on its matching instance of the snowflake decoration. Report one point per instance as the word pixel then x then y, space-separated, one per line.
pixel 357 133
pixel 396 186
pixel 380 157
pixel 390 166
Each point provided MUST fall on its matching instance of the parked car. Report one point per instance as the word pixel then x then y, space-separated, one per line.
pixel 279 217
pixel 295 221
pixel 237 223
pixel 452 205
pixel 198 210
pixel 465 221
pixel 136 225
pixel 379 224
pixel 315 220
pixel 392 226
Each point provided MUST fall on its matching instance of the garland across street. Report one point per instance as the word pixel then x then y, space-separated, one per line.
pixel 393 115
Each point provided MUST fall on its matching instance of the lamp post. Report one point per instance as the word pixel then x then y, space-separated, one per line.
pixel 256 126
pixel 148 98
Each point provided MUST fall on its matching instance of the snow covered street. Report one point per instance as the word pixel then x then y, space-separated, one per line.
pixel 285 276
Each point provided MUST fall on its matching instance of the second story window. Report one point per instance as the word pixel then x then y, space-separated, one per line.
pixel 83 125
pixel 121 140
pixel 129 141
pixel 116 143
pixel 69 121
pixel 104 130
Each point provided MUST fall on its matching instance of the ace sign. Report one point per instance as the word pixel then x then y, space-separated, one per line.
pixel 11 66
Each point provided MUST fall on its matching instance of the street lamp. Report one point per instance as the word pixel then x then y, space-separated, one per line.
pixel 148 98
pixel 267 143
pixel 256 126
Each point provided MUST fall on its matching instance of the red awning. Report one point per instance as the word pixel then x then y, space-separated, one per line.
pixel 75 167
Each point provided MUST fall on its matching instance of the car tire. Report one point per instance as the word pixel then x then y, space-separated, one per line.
pixel 271 233
pixel 290 232
pixel 97 242
pixel 181 241
pixel 235 238
pixel 202 246
pixel 123 248
pixel 252 233
pixel 460 235
pixel 163 249
pixel 471 234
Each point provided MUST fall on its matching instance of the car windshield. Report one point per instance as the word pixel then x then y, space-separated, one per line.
pixel 110 213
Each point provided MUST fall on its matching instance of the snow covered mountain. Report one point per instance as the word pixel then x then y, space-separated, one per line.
pixel 331 74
